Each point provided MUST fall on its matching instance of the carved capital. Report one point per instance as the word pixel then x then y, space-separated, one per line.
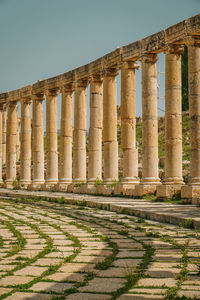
pixel 174 49
pixel 67 88
pixel 80 83
pixel 192 41
pixel 150 58
pixel 38 97
pixel 26 100
pixel 95 78
pixel 127 65
pixel 52 92
pixel 111 72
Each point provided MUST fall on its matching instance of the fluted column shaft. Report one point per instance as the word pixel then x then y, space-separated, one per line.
pixel 38 141
pixel 25 149
pixel 12 121
pixel 51 138
pixel 173 116
pixel 194 110
pixel 1 137
pixel 65 176
pixel 95 132
pixel 4 121
pixel 79 134
pixel 128 124
pixel 110 127
pixel 149 121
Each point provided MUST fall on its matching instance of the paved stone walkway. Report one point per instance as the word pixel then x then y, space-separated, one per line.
pixel 58 251
pixel 157 211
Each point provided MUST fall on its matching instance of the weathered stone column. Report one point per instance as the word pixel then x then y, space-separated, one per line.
pixel 1 137
pixel 18 139
pixel 149 126
pixel 4 121
pixel 128 125
pixel 173 124
pixel 65 174
pixel 51 139
pixel 95 132
pixel 79 134
pixel 193 189
pixel 38 142
pixel 110 127
pixel 11 143
pixel 25 149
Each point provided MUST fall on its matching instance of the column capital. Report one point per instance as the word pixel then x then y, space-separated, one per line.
pixel 52 92
pixel 95 78
pixel 174 49
pixel 111 72
pixel 149 58
pixel 26 100
pixel 80 83
pixel 68 88
pixel 192 41
pixel 38 97
pixel 127 65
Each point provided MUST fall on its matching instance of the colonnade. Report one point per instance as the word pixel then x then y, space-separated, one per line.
pixel 71 169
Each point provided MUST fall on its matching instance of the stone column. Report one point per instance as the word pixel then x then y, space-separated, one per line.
pixel 128 125
pixel 4 121
pixel 79 134
pixel 193 189
pixel 95 132
pixel 38 142
pixel 1 137
pixel 25 151
pixel 18 139
pixel 149 126
pixel 51 139
pixel 65 174
pixel 173 124
pixel 11 144
pixel 110 127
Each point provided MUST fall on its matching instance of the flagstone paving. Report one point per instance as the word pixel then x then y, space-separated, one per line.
pixel 58 251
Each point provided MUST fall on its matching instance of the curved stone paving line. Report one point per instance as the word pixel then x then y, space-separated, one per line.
pixel 73 252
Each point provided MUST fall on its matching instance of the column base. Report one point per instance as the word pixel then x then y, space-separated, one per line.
pixel 105 189
pixel 23 184
pixel 191 193
pixel 109 181
pixel 167 191
pixel 10 184
pixel 150 181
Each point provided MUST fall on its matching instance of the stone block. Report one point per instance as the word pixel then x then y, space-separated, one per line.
pixel 191 192
pixel 166 191
pixel 145 189
pixel 62 187
pixel 104 189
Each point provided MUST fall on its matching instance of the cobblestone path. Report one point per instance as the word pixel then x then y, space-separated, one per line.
pixel 57 251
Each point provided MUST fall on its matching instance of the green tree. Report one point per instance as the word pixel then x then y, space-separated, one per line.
pixel 185 102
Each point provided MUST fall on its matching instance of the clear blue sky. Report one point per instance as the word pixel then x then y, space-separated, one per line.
pixel 43 38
